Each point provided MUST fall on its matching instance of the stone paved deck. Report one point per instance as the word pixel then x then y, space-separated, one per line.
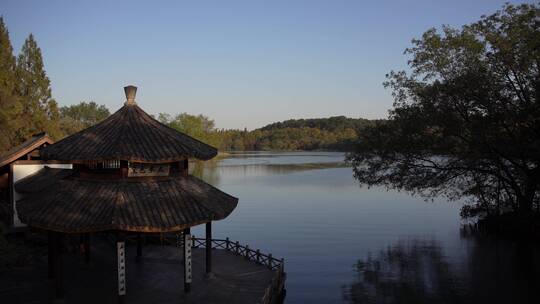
pixel 157 279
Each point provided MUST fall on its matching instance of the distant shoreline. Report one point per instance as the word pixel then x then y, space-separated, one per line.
pixel 225 154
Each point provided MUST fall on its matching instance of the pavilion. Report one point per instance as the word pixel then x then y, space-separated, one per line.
pixel 130 176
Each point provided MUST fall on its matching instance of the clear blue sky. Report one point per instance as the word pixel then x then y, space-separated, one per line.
pixel 242 63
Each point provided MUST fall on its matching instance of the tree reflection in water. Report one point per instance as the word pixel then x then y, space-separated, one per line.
pixel 418 271
pixel 205 170
pixel 211 170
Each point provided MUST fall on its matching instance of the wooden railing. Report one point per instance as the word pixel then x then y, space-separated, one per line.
pixel 242 250
pixel 275 290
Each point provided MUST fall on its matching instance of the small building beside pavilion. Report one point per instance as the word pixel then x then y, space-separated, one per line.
pixel 17 163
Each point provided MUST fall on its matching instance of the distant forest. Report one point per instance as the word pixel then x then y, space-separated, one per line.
pixel 334 133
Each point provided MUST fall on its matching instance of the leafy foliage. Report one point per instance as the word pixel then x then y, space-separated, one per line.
pixel 466 119
pixel 333 133
pixel 8 62
pixel 197 126
pixel 26 103
pixel 336 133
pixel 332 124
pixel 39 110
pixel 75 118
pixel 10 106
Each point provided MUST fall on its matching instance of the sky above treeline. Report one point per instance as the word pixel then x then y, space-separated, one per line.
pixel 242 63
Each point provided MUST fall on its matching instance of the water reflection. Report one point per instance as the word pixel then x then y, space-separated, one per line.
pixel 212 170
pixel 486 270
pixel 205 171
pixel 307 208
pixel 282 158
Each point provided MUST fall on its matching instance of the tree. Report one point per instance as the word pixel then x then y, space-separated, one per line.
pixel 39 109
pixel 74 118
pixel 334 133
pixel 7 60
pixel 10 106
pixel 197 126
pixel 466 118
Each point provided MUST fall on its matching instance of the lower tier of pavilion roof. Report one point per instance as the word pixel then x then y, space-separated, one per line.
pixel 54 200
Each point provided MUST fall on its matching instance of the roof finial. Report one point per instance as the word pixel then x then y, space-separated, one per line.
pixel 130 91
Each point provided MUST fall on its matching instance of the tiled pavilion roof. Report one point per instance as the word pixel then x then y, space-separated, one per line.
pixel 129 134
pixel 56 201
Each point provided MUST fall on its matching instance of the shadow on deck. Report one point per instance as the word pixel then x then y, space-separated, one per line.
pixel 158 278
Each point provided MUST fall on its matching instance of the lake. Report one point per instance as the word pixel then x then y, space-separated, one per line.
pixel 343 243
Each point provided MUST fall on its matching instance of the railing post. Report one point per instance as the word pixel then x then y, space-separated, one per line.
pixel 208 247
pixel 227 243
pixel 258 256
pixel 247 252
pixel 270 261
pixel 237 247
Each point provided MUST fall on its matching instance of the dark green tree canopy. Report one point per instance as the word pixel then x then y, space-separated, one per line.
pixel 7 60
pixel 26 103
pixel 466 117
pixel 334 133
pixel 10 106
pixel 81 116
pixel 335 123
pixel 40 111
pixel 199 126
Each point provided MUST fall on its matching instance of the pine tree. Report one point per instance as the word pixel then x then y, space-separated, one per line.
pixel 10 106
pixel 7 60
pixel 40 111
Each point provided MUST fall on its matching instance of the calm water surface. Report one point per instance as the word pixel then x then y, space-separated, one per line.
pixel 347 244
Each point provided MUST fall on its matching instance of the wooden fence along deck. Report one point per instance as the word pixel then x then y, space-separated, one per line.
pixel 276 290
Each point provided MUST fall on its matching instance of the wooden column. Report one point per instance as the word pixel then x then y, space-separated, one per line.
pixel 51 253
pixel 139 247
pixel 187 260
pixel 208 247
pixel 59 266
pixel 121 268
pixel 186 167
pixel 124 168
pixel 11 213
pixel 86 240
